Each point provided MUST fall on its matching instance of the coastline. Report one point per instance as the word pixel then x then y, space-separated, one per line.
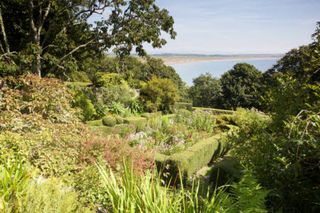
pixel 175 60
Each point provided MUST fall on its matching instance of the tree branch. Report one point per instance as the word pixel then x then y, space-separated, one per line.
pixel 1 48
pixel 46 13
pixel 32 25
pixel 4 35
pixel 76 49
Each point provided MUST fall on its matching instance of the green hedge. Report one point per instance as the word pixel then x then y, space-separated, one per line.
pixel 110 121
pixel 122 130
pixel 182 105
pixel 215 111
pixel 95 123
pixel 191 160
pixel 135 120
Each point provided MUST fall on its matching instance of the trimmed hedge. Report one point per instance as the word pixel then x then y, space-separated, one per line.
pixel 215 111
pixel 182 105
pixel 135 120
pixel 121 129
pixel 95 123
pixel 191 160
pixel 109 121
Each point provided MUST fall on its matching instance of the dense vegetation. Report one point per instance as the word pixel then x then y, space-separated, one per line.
pixel 81 131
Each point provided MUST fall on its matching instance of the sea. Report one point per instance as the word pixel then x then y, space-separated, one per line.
pixel 189 71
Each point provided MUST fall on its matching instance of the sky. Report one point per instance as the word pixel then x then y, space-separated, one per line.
pixel 239 26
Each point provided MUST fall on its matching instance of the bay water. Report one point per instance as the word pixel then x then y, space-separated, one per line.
pixel 189 71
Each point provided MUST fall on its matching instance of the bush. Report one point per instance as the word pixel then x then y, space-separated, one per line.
pixel 182 105
pixel 85 104
pixel 77 76
pixel 119 109
pixel 29 102
pixel 51 196
pixel 109 121
pixel 119 119
pixel 192 159
pixel 121 94
pixel 159 95
pixel 284 161
pixel 101 79
pixel 147 194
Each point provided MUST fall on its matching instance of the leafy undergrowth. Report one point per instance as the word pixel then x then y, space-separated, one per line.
pixel 130 193
pixel 48 159
pixel 40 129
pixel 166 134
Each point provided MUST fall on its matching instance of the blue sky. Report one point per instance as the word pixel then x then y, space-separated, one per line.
pixel 240 26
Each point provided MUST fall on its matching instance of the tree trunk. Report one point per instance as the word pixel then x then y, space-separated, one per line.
pixel 36 67
pixel 36 24
pixel 4 35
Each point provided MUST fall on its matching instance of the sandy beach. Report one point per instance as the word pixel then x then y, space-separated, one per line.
pixel 172 60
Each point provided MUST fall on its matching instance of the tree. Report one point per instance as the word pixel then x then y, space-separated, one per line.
pixel 206 91
pixel 159 94
pixel 293 83
pixel 241 86
pixel 57 33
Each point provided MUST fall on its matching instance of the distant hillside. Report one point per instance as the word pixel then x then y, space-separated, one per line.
pixel 170 58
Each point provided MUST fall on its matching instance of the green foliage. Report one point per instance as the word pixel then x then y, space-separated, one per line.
pixel 192 159
pixel 119 109
pixel 119 119
pixel 130 193
pixel 293 83
pixel 29 100
pixel 77 76
pixel 159 95
pixel 109 121
pixel 19 193
pixel 50 195
pixel 68 40
pixel 206 91
pixel 13 183
pixel 119 94
pixel 284 160
pixel 248 195
pixel 182 105
pixel 241 87
pixel 197 120
pixel 85 104
pixel 101 79
pixel 135 106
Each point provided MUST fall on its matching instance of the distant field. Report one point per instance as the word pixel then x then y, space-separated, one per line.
pixel 181 59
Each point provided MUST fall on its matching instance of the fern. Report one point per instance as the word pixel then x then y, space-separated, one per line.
pixel 247 195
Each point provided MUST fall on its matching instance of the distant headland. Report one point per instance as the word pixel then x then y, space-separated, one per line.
pixel 171 59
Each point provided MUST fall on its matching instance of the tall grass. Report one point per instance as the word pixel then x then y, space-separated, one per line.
pixel 130 193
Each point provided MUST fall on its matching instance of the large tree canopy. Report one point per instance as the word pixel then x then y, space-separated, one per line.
pixel 57 34
pixel 206 91
pixel 294 82
pixel 241 86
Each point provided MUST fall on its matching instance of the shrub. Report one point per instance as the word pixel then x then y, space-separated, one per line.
pixel 51 196
pixel 101 79
pixel 109 121
pixel 85 104
pixel 114 150
pixel 284 161
pixel 192 159
pixel 182 105
pixel 28 102
pixel 159 95
pixel 119 119
pixel 121 94
pixel 13 184
pixel 77 76
pixel 119 109
pixel 147 194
